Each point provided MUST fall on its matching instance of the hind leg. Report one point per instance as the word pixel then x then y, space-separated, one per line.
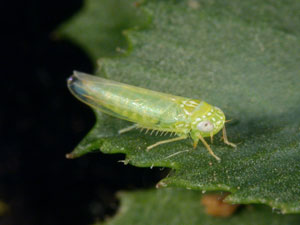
pixel 166 141
pixel 126 129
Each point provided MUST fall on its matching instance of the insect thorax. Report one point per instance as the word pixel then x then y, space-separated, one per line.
pixel 191 111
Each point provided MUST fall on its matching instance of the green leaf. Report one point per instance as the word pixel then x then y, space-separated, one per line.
pixel 242 56
pixel 98 26
pixel 162 207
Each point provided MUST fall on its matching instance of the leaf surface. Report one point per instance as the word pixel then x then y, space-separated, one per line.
pixel 242 56
pixel 161 207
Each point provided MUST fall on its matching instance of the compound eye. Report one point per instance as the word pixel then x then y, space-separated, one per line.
pixel 205 126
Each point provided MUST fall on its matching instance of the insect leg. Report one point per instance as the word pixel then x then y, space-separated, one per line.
pixel 208 148
pixel 166 141
pixel 127 129
pixel 226 139
pixel 211 137
pixel 157 132
pixel 195 144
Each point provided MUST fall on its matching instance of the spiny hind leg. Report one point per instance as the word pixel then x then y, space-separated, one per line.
pixel 166 141
pixel 207 147
pixel 225 139
pixel 126 129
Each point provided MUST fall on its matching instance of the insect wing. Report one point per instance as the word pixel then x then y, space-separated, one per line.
pixel 82 86
pixel 126 102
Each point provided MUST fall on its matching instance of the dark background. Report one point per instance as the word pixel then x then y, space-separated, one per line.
pixel 40 122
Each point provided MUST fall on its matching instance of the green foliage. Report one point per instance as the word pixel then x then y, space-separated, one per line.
pixel 97 28
pixel 242 56
pixel 177 207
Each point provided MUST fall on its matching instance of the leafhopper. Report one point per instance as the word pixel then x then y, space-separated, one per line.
pixel 151 110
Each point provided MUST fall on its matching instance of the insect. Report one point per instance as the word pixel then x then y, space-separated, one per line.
pixel 151 110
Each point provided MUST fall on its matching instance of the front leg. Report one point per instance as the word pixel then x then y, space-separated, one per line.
pixel 226 139
pixel 207 147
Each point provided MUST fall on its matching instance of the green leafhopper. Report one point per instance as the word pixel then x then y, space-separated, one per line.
pixel 151 110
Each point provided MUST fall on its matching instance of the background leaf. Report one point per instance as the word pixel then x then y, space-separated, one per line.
pixel 160 206
pixel 97 26
pixel 240 56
